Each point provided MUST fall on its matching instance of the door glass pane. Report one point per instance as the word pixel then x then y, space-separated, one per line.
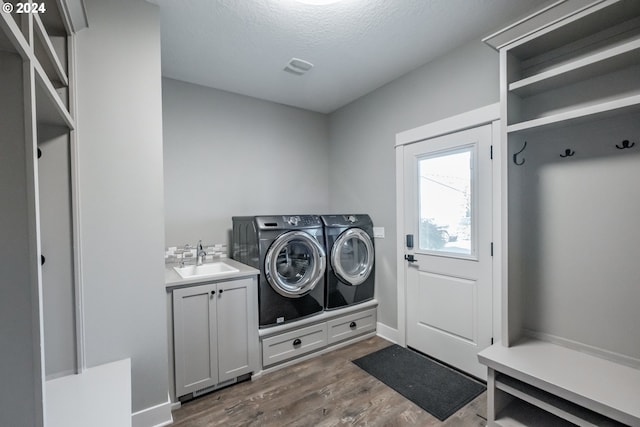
pixel 354 257
pixel 446 202
pixel 294 261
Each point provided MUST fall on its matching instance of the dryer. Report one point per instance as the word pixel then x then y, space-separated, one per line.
pixel 289 251
pixel 350 275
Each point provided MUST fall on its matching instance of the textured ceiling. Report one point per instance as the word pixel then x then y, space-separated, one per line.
pixel 356 46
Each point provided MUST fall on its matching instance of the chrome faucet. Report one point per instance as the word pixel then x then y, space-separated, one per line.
pixel 201 253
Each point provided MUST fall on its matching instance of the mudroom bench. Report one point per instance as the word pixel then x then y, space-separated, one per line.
pixel 540 383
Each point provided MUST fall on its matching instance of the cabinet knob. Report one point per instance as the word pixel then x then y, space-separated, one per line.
pixel 42 260
pixel 297 342
pixel 213 293
pixel 221 291
pixel 352 325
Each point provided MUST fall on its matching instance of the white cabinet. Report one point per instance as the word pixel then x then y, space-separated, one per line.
pixel 215 334
pixel 570 117
pixel 285 344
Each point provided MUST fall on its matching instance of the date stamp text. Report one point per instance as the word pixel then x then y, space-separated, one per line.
pixel 33 7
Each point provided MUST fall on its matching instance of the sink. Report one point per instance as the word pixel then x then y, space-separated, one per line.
pixel 204 270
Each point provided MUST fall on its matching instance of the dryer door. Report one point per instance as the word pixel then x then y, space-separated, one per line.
pixel 352 256
pixel 295 263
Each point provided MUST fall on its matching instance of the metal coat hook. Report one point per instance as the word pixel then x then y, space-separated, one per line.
pixel 568 153
pixel 625 144
pixel 515 156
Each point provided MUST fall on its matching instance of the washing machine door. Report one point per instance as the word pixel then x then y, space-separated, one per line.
pixel 352 256
pixel 294 264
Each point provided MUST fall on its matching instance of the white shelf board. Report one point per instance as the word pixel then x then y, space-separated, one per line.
pixel 613 58
pixel 603 386
pixel 51 111
pixel 550 403
pixel 521 414
pixel 591 112
pixel 14 41
pixel 593 17
pixel 50 63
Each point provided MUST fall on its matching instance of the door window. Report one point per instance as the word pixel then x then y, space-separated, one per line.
pixel 352 256
pixel 294 264
pixel 446 202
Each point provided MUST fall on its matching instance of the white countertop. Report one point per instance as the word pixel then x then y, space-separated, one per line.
pixel 172 279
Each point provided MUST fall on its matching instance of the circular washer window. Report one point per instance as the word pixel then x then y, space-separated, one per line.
pixel 295 263
pixel 352 256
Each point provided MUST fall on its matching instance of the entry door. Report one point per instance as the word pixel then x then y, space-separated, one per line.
pixel 448 183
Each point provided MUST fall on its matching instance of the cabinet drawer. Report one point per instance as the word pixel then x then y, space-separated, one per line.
pixel 351 325
pixel 294 343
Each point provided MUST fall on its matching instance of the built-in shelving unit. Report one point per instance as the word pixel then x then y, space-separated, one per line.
pixel 37 139
pixel 570 118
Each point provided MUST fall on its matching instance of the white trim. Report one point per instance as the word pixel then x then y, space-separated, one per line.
pixel 154 416
pixel 388 333
pixel 400 247
pixel 81 362
pixel 496 191
pixel 487 39
pixel 470 119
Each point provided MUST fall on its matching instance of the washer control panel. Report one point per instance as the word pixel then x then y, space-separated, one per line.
pixel 284 222
pixel 302 220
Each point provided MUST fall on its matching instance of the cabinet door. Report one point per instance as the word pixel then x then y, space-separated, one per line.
pixel 233 328
pixel 195 338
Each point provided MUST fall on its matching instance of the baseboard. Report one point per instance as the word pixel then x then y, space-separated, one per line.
pixel 388 333
pixel 154 416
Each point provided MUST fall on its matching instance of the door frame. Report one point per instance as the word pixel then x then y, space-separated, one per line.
pixel 489 114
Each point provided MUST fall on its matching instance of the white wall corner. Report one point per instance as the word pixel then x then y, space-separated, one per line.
pixel 388 333
pixel 154 416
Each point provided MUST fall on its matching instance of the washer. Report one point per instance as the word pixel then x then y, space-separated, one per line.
pixel 350 270
pixel 289 251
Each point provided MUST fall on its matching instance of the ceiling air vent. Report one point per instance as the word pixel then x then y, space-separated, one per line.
pixel 298 66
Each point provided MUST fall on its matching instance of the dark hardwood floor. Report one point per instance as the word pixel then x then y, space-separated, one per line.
pixel 327 390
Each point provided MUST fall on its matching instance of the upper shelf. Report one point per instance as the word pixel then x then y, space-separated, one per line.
pixel 592 20
pixel 12 40
pixel 591 112
pixel 621 55
pixel 47 55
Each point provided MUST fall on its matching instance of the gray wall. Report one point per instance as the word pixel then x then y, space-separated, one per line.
pixel 576 219
pixel 362 137
pixel 228 154
pixel 57 246
pixel 121 193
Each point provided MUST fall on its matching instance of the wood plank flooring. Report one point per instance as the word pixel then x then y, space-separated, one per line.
pixel 327 390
